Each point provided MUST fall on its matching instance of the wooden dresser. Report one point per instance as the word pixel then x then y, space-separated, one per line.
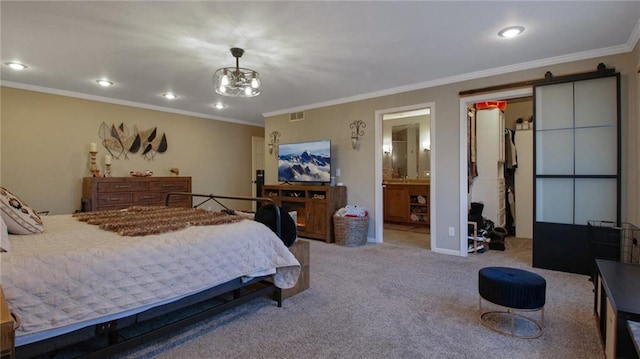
pixel 102 193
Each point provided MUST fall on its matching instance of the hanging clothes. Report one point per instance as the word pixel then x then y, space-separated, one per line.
pixel 472 168
pixel 511 155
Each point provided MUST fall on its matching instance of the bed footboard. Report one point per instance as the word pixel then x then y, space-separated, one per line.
pixel 217 198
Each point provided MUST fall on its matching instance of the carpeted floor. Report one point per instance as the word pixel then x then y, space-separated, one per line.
pixel 391 301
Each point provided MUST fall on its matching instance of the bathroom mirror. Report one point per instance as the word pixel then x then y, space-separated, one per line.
pixel 406 146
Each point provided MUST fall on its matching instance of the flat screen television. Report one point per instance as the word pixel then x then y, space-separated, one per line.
pixel 305 161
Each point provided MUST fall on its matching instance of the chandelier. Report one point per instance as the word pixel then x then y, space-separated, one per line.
pixel 237 81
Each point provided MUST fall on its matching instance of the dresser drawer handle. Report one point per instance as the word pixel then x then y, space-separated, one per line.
pixel 169 185
pixel 114 199
pixel 16 320
pixel 118 186
pixel 147 197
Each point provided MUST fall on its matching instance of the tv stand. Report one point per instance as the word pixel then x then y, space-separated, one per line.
pixel 314 205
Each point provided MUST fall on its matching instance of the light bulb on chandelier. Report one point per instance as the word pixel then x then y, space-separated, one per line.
pixel 237 81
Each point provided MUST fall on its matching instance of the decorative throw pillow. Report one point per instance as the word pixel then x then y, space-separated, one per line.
pixel 5 246
pixel 19 218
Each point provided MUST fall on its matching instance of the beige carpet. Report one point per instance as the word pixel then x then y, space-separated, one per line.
pixel 391 301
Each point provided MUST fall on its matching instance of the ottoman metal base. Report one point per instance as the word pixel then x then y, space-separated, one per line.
pixel 512 313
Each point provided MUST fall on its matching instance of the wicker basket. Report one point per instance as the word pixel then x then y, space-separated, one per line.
pixel 350 231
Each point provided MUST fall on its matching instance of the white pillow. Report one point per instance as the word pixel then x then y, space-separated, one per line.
pixel 19 218
pixel 5 246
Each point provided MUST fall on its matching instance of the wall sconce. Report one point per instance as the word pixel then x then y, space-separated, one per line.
pixel 359 126
pixel 386 149
pixel 275 139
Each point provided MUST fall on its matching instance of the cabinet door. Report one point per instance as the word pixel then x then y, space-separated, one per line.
pixel 317 218
pixel 396 204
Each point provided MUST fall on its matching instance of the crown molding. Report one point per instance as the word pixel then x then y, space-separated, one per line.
pixel 613 50
pixel 114 101
pixel 634 37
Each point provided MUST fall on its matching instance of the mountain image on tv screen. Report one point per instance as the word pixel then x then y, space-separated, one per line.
pixel 305 162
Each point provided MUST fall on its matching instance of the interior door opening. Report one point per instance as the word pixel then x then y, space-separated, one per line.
pixel 257 163
pixel 466 197
pixel 404 173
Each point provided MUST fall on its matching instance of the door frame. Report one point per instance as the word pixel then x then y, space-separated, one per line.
pixel 257 148
pixel 378 200
pixel 464 156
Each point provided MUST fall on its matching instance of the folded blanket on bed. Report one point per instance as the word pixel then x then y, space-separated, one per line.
pixel 142 221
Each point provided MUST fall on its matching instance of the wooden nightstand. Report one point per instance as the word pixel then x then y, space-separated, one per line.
pixel 7 333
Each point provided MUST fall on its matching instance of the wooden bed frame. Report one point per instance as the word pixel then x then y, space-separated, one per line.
pixel 105 339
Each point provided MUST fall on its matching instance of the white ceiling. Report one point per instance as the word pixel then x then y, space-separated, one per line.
pixel 308 53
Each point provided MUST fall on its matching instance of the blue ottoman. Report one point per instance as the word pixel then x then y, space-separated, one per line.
pixel 517 291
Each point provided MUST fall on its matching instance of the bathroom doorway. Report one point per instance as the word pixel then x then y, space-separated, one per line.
pixel 404 175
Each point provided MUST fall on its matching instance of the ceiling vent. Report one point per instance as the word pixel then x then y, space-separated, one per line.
pixel 296 116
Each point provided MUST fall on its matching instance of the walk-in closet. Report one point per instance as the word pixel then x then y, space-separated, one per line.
pixel 500 162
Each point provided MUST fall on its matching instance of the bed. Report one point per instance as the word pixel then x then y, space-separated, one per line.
pixel 76 282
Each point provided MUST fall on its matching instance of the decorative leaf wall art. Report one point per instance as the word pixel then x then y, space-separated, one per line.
pixel 120 141
pixel 151 143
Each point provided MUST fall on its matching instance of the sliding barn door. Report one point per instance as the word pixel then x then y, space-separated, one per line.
pixel 577 168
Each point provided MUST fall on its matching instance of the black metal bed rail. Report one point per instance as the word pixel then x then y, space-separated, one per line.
pixel 215 198
pixel 118 345
pixel 109 338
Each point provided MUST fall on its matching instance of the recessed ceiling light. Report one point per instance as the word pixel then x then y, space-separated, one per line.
pixel 105 83
pixel 169 96
pixel 219 106
pixel 16 65
pixel 511 31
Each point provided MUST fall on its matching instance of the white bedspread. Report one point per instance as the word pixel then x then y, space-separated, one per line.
pixel 75 274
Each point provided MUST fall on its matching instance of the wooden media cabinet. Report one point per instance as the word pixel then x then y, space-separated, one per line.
pixel 314 205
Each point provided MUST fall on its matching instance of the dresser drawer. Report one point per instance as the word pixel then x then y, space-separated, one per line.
pixel 177 186
pixel 143 198
pixel 123 186
pixel 113 199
